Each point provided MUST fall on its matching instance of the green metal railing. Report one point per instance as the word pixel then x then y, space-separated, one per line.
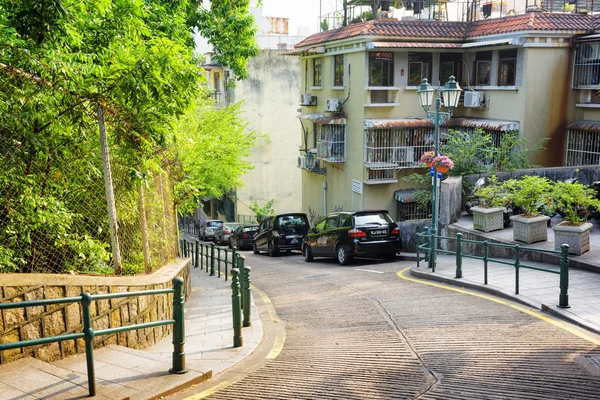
pixel 88 333
pixel 210 258
pixel 563 298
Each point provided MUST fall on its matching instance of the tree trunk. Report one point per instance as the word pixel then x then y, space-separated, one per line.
pixel 110 196
pixel 144 229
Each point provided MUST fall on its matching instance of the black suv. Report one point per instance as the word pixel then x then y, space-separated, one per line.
pixel 281 232
pixel 346 235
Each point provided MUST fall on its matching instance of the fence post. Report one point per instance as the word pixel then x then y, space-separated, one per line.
pixel 485 262
pixel 178 329
pixel 418 244
pixel 212 259
pixel 517 261
pixel 185 248
pixel 247 295
pixel 226 256
pixel 236 312
pixel 206 263
pixel 240 266
pixel 458 255
pixel 218 262
pixel 563 298
pixel 426 232
pixel 181 248
pixel 88 331
pixel 198 261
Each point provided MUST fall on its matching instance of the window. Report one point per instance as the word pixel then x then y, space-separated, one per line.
pixel 217 82
pixel 507 68
pixel 586 69
pixel 381 69
pixel 345 220
pixel 320 224
pixel 419 68
pixel 338 70
pixel 396 148
pixel 332 222
pixel 583 144
pixel 331 143
pixel 450 65
pixel 317 72
pixel 483 68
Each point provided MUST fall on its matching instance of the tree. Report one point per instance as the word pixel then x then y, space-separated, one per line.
pixel 211 145
pixel 262 211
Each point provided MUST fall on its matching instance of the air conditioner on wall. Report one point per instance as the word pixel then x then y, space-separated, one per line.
pixel 590 51
pixel 333 105
pixel 308 99
pixel 473 99
pixel 302 162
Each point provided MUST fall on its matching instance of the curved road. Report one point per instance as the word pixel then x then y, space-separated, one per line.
pixel 362 332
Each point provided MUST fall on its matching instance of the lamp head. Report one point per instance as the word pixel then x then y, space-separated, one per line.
pixel 426 95
pixel 451 94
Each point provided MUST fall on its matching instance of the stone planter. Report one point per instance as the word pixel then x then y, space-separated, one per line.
pixel 576 236
pixel 488 219
pixel 530 230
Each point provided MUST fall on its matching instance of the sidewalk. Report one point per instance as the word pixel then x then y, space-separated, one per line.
pixel 537 289
pixel 123 373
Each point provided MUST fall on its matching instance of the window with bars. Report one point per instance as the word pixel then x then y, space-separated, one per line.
pixel 331 143
pixel 407 211
pixel 395 148
pixel 419 67
pixel 317 72
pixel 586 67
pixel 583 147
pixel 381 175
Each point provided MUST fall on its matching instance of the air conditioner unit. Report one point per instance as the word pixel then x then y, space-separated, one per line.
pixel 473 99
pixel 590 51
pixel 308 99
pixel 406 155
pixel 302 162
pixel 333 105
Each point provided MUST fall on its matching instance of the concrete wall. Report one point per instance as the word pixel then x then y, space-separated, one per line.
pixel 271 97
pixel 37 322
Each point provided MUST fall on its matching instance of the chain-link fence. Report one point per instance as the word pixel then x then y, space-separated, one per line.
pixel 53 210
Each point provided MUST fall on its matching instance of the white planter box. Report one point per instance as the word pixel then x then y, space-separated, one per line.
pixel 576 236
pixel 530 230
pixel 488 219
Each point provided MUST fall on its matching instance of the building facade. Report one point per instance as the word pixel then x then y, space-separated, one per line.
pixel 363 128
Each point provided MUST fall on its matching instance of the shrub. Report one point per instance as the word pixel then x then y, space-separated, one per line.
pixel 573 201
pixel 530 193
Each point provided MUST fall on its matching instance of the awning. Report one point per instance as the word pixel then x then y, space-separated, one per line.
pixel 590 126
pixel 311 116
pixel 483 43
pixel 330 121
pixel 297 52
pixel 459 122
pixel 410 45
pixel 404 196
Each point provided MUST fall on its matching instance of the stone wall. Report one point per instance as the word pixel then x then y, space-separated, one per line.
pixel 36 322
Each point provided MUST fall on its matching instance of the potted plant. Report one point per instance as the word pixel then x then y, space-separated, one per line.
pixel 442 163
pixel 532 195
pixel 489 214
pixel 572 201
pixel 427 157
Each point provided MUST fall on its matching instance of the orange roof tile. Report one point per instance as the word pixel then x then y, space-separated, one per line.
pixel 458 31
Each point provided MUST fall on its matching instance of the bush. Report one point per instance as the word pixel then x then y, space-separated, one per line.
pixel 530 193
pixel 492 194
pixel 573 201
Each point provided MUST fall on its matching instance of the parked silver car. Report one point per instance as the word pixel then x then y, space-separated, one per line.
pixel 208 227
pixel 223 232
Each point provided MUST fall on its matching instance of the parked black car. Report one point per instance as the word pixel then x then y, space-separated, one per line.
pixel 281 232
pixel 346 235
pixel 243 237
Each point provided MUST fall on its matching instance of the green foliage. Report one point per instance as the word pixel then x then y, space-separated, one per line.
pixel 365 16
pixel 211 146
pixel 423 194
pixel 471 152
pixel 324 25
pixel 513 153
pixel 531 193
pixel 264 211
pixel 492 194
pixel 571 199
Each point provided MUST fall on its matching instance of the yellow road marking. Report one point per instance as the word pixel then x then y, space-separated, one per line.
pixel 535 314
pixel 277 347
pixel 210 391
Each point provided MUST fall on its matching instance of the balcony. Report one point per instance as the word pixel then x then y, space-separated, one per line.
pixel 331 143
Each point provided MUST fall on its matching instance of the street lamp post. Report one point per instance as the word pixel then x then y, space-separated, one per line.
pixel 451 94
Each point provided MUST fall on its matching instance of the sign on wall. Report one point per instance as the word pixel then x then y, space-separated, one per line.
pixel 357 186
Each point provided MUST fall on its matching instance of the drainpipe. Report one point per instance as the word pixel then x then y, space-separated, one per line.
pixel 324 197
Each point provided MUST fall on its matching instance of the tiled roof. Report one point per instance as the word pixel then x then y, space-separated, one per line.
pixel 457 31
pixel 458 122
pixel 591 126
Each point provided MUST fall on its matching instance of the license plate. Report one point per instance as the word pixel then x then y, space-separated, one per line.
pixel 294 241
pixel 379 232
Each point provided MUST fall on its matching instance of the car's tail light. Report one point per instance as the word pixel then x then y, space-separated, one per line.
pixel 226 232
pixel 246 236
pixel 357 233
pixel 395 232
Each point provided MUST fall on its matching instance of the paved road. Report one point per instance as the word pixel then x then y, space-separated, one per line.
pixel 362 332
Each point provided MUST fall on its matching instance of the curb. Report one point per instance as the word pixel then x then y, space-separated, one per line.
pixel 553 310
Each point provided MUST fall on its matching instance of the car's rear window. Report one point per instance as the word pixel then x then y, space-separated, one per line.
pixel 251 229
pixel 213 223
pixel 373 219
pixel 292 220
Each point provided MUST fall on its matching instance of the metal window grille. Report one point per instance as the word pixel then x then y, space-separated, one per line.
pixel 382 174
pixel 583 147
pixel 411 211
pixel 395 148
pixel 586 67
pixel 331 143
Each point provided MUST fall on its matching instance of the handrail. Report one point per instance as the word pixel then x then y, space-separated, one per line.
pixel 88 333
pixel 563 299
